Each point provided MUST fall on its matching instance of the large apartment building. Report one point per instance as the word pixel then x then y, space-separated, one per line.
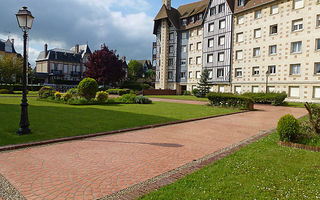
pixel 247 46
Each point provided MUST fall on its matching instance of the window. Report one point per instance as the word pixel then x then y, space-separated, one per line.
pixel 211 27
pixel 241 19
pixel 221 88
pixel 297 4
pixel 317 68
pixel 237 89
pixel 297 25
pixel 256 52
pixel 271 88
pixel 257 14
pixel 184 48
pixel 198 60
pixel 200 16
pixel 255 71
pixel 273 50
pixel 240 37
pixel 221 40
pixel 220 73
pixel 222 24
pixel 274 9
pixel 199 31
pixel 210 74
pixel 190 61
pixel 191 47
pixel 65 69
pixel 316 92
pixel 171 36
pixel 296 47
pixel 184 22
pixel 241 3
pixel 192 33
pixel 170 49
pixel 255 89
pixel 170 75
pixel 221 8
pixel 210 58
pixel 294 91
pixel 183 61
pixel 318 20
pixel 192 19
pixel 210 42
pixel 239 54
pixel 272 69
pixel 213 11
pixel 182 75
pixel 295 69
pixel 318 44
pixel 170 62
pixel 198 74
pixel 199 46
pixel 274 29
pixel 221 57
pixel 238 72
pixel 190 74
pixel 257 33
pixel 184 35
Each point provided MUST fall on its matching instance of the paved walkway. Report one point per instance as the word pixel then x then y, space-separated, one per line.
pixel 96 167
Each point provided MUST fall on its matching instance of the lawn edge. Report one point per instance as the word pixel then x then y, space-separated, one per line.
pixel 80 137
pixel 140 189
pixel 299 146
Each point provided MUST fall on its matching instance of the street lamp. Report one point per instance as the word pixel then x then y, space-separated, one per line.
pixel 267 76
pixel 143 75
pixel 25 20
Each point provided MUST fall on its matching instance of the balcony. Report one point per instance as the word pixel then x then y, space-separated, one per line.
pixel 56 73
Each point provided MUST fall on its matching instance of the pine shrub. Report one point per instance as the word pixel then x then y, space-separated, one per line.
pixel 288 128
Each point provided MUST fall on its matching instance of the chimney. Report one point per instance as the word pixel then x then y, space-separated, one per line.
pixel 167 3
pixel 76 48
pixel 45 50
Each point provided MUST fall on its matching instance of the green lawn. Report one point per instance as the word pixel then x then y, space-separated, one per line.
pixel 179 97
pixel 52 120
pixel 262 170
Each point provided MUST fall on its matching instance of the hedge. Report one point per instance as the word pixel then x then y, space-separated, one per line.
pixel 276 99
pixel 230 100
pixel 118 91
pixel 18 87
pixel 158 92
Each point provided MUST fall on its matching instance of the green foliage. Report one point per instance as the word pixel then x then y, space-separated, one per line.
pixel 133 85
pixel 118 91
pixel 288 128
pixel 142 100
pixel 196 92
pixel 5 91
pixel 10 66
pixel 66 96
pixel 73 91
pixel 102 96
pixel 276 99
pixel 88 88
pixel 203 84
pixel 18 87
pixel 230 100
pixel 58 95
pixel 128 98
pixel 186 93
pixel 135 70
pixel 46 91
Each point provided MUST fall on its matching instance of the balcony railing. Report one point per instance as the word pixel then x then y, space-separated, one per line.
pixel 74 73
pixel 56 72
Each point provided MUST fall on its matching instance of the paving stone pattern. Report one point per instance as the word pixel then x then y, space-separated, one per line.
pixel 97 167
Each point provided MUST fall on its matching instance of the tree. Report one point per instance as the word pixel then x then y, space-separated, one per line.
pixel 135 70
pixel 10 67
pixel 105 66
pixel 203 84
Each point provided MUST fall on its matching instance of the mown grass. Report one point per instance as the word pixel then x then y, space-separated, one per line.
pixel 179 97
pixel 262 170
pixel 52 120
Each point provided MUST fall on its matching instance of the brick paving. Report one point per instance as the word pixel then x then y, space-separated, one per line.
pixel 97 167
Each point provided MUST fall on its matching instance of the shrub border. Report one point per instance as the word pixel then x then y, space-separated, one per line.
pixel 299 146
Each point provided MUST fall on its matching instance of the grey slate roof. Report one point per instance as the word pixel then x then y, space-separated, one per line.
pixel 7 46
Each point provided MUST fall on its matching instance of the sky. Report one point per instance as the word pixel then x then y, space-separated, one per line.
pixel 123 25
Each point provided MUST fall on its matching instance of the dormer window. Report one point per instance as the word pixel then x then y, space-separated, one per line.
pixel 192 19
pixel 241 3
pixel 184 22
pixel 200 16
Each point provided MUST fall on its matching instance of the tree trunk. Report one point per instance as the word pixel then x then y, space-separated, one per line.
pixel 314 123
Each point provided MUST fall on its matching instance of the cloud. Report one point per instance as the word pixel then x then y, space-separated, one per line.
pixel 123 25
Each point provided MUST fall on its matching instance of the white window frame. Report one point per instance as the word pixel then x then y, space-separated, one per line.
pixel 272 69
pixel 317 68
pixel 222 24
pixel 220 73
pixel 297 25
pixel 271 29
pixel 255 71
pixel 239 55
pixel 199 45
pixel 271 48
pixel 210 42
pixel 191 74
pixel 297 4
pixel 255 33
pixel 296 47
pixel 210 58
pixel 221 40
pixel 295 69
pixel 211 27
pixel 256 52
pixel 221 57
pixel 297 93
pixel 239 37
pixel 317 44
pixel 198 60
pixel 240 19
pixel 274 9
pixel 316 92
pixel 258 14
pixel 198 74
pixel 238 72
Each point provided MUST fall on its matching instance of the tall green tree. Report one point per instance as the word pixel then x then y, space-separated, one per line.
pixel 135 70
pixel 203 84
pixel 10 67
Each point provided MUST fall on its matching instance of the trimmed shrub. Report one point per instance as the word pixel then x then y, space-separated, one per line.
pixel 196 92
pixel 230 100
pixel 88 88
pixel 118 91
pixel 5 91
pixel 66 96
pixel 58 95
pixel 288 128
pixel 102 96
pixel 73 91
pixel 128 98
pixel 266 98
pixel 186 93
pixel 142 100
pixel 46 91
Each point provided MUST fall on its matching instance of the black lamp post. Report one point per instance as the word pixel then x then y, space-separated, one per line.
pixel 25 20
pixel 143 75
pixel 267 77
